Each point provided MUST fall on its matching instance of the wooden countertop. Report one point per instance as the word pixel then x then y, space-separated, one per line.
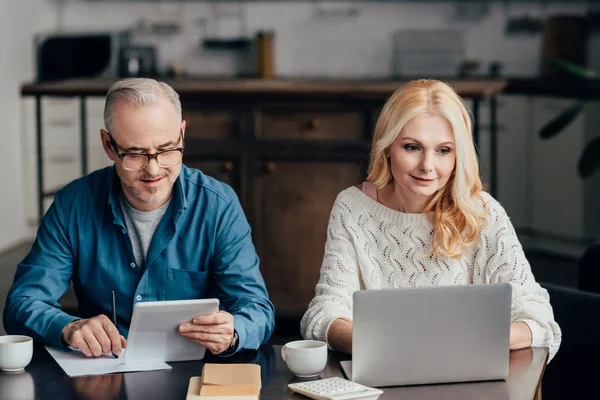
pixel 474 88
pixel 555 87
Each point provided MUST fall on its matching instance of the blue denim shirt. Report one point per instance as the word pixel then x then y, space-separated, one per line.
pixel 202 248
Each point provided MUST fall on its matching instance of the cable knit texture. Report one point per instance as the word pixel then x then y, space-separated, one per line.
pixel 370 246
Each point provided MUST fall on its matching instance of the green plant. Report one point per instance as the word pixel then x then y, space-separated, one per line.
pixel 589 160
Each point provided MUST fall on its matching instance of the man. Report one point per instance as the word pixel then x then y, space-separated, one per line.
pixel 148 228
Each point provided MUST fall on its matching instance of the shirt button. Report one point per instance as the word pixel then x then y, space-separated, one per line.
pixel 124 231
pixel 132 265
pixel 138 297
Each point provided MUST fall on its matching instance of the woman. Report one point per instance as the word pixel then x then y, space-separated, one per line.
pixel 422 219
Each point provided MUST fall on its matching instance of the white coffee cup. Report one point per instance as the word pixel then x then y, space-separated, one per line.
pixel 305 358
pixel 15 352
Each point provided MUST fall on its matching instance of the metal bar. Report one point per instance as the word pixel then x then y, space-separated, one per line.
pixel 40 161
pixel 476 124
pixel 493 146
pixel 83 134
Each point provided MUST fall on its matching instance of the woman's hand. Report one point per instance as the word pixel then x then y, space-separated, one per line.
pixel 339 335
pixel 520 335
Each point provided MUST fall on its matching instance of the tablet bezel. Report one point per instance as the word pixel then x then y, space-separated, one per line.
pixel 163 342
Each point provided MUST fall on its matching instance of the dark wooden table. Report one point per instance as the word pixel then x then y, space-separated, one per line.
pixel 44 379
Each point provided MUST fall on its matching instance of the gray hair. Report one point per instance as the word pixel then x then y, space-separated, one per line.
pixel 137 92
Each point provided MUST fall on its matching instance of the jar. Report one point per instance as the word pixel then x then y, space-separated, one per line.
pixel 266 56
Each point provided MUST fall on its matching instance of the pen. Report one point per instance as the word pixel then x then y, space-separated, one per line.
pixel 113 308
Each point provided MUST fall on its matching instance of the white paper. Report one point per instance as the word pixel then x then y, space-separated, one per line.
pixel 75 363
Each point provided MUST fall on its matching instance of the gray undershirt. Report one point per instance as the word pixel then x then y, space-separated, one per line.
pixel 141 226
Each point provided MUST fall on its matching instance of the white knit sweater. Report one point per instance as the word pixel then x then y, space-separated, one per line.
pixel 370 246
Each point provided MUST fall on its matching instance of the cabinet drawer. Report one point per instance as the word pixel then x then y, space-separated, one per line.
pixel 290 225
pixel 61 166
pixel 220 170
pixel 210 123
pixel 317 124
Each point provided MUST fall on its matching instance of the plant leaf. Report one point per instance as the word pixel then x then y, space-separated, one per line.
pixel 590 158
pixel 575 69
pixel 562 120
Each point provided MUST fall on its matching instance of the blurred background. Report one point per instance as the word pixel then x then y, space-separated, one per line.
pixel 281 98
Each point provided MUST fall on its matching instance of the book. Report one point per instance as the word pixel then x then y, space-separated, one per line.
pixel 226 382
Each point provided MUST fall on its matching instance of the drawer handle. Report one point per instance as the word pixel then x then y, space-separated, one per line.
pixel 270 167
pixel 61 159
pixel 314 124
pixel 61 123
pixel 228 166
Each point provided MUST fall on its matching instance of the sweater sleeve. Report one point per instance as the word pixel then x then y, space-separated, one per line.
pixel 506 262
pixel 339 277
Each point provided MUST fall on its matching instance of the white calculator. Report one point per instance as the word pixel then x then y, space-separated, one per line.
pixel 335 389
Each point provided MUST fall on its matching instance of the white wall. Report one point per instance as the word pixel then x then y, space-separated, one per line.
pixel 308 43
pixel 11 210
pixel 18 21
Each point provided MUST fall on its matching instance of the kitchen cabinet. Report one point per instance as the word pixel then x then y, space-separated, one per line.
pixel 514 141
pixel 210 123
pixel 286 147
pixel 515 137
pixel 224 171
pixel 557 190
pixel 311 123
pixel 61 143
pixel 538 183
pixel 292 203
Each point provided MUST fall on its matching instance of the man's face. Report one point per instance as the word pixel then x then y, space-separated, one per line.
pixel 145 130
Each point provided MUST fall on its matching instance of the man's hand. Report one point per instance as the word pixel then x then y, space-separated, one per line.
pixel 520 335
pixel 213 331
pixel 94 336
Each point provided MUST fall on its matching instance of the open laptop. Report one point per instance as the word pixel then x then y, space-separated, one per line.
pixel 430 335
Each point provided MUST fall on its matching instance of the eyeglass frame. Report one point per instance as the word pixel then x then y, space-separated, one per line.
pixel 149 157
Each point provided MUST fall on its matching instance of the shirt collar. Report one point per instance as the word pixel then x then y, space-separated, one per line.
pixel 179 191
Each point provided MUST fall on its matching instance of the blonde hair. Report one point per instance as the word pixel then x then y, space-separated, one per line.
pixel 457 210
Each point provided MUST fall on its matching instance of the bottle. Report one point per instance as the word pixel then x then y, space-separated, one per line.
pixel 265 60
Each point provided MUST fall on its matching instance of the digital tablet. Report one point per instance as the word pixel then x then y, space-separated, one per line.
pixel 153 334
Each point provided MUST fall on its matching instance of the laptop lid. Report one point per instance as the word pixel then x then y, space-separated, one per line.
pixel 431 335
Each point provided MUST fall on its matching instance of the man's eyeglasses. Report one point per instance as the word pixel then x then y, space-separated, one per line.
pixel 138 161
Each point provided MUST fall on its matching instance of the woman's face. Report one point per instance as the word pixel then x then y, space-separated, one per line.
pixel 423 156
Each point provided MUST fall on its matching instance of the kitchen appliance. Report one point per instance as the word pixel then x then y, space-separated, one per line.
pixel 428 52
pixel 137 61
pixel 68 55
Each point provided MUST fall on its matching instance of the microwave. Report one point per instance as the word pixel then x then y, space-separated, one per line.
pixel 70 55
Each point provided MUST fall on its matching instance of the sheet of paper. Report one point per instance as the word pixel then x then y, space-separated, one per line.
pixel 74 363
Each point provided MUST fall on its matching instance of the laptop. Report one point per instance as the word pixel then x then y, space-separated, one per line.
pixel 430 335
